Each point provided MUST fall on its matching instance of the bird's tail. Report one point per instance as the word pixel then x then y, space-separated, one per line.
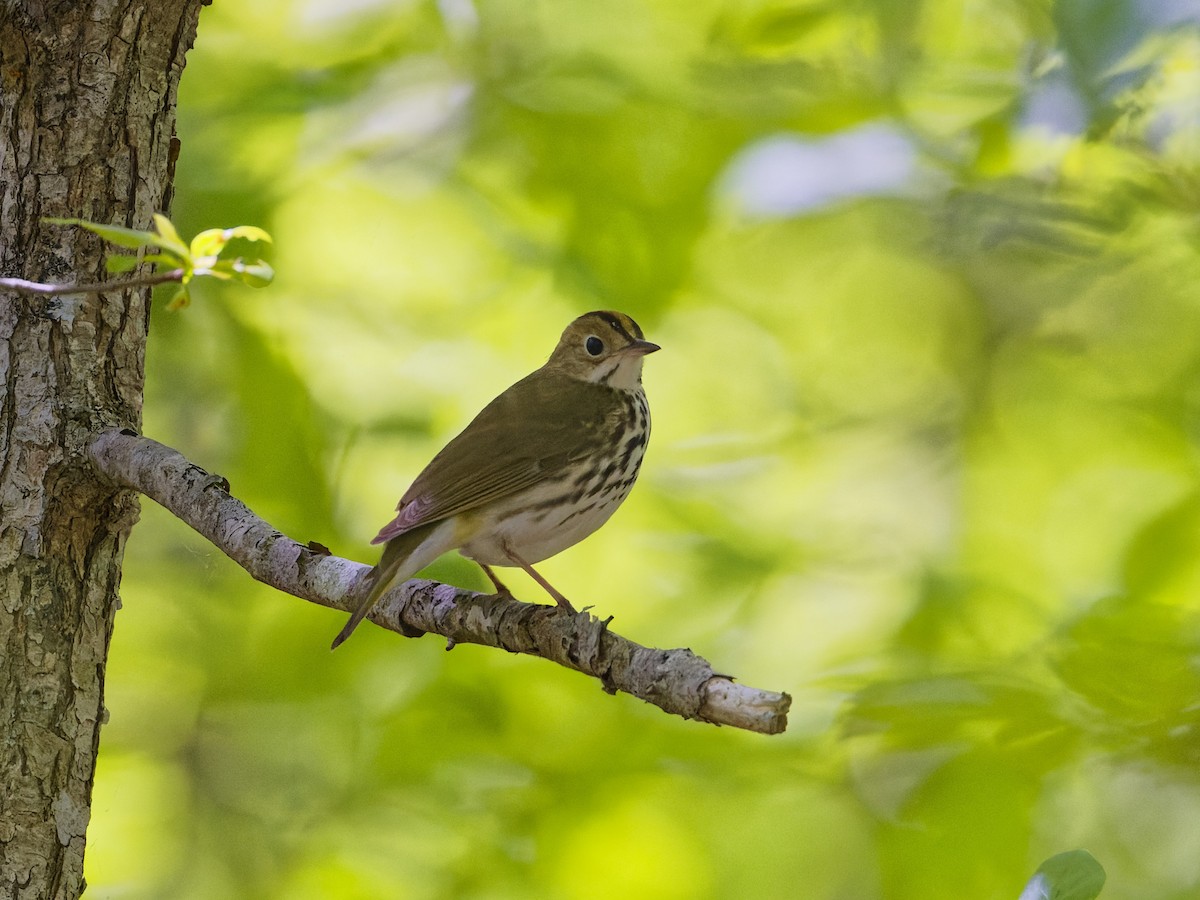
pixel 403 556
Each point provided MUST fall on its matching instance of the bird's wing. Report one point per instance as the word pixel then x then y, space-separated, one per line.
pixel 531 431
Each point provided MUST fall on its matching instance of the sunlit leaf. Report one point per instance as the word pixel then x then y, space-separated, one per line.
pixel 248 233
pixel 213 240
pixel 169 237
pixel 209 242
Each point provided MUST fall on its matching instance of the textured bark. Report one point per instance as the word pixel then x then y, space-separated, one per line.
pixel 87 117
pixel 676 681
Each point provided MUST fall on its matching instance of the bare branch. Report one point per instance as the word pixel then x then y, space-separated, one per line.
pixel 39 287
pixel 677 681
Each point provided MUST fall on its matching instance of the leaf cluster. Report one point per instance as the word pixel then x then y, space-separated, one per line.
pixel 166 250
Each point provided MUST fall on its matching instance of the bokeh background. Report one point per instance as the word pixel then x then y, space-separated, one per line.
pixel 927 279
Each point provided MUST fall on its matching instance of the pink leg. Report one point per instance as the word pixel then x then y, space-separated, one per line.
pixel 558 598
pixel 501 588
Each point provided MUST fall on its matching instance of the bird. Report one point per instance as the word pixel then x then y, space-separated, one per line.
pixel 540 468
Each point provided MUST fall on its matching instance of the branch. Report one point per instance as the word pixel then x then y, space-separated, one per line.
pixel 677 681
pixel 40 287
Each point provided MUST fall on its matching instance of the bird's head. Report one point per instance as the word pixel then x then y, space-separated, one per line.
pixel 603 347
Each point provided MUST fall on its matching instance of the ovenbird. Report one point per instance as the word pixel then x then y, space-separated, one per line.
pixel 539 469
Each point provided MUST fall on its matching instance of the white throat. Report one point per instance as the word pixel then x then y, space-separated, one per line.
pixel 621 372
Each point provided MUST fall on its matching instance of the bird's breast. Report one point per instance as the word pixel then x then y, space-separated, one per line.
pixel 555 514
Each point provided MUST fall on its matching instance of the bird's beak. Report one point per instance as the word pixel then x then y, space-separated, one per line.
pixel 641 348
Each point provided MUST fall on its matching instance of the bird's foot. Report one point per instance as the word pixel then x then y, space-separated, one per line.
pixel 502 590
pixel 563 602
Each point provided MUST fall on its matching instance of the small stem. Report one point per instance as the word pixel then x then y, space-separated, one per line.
pixel 37 287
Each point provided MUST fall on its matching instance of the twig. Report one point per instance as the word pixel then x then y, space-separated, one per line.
pixel 38 287
pixel 677 681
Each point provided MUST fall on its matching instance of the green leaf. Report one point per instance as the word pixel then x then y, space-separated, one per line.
pixel 135 240
pixel 1074 875
pixel 179 300
pixel 165 260
pixel 255 274
pixel 121 263
pixel 114 234
pixel 220 270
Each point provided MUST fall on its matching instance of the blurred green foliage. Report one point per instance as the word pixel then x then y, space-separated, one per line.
pixel 927 279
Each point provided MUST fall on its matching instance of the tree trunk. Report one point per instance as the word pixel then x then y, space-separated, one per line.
pixel 87 119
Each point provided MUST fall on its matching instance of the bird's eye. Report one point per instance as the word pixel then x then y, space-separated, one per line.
pixel 594 345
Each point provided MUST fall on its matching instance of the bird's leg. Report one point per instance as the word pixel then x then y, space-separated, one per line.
pixel 550 589
pixel 501 588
